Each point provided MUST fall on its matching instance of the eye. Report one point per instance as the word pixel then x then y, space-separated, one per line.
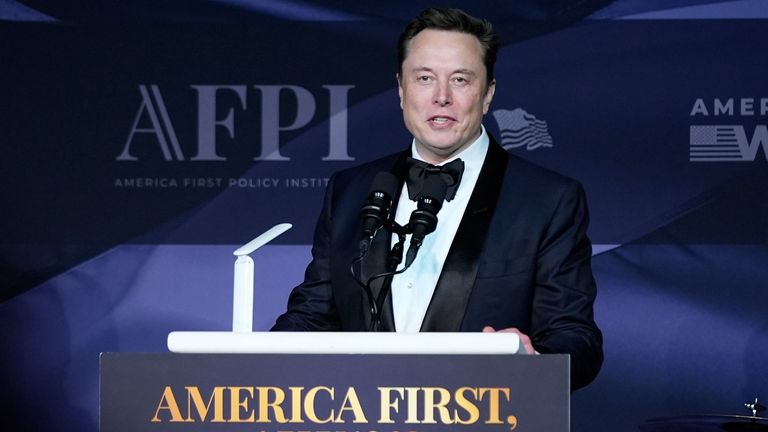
pixel 461 81
pixel 424 78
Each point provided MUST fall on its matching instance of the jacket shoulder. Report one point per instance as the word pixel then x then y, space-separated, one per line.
pixel 365 172
pixel 539 179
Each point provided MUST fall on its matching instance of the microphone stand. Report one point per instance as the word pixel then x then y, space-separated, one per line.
pixel 423 221
pixel 394 258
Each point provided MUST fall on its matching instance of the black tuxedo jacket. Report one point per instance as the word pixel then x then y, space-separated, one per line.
pixel 520 258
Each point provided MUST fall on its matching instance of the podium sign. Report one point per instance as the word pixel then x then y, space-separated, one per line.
pixel 333 392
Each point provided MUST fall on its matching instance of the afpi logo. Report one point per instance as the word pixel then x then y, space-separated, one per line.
pixel 728 143
pixel 153 119
pixel 520 129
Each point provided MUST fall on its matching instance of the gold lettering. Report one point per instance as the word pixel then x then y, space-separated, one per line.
pixel 296 404
pixel 493 403
pixel 217 397
pixel 237 404
pixel 265 404
pixel 309 405
pixel 469 407
pixel 351 403
pixel 444 396
pixel 387 405
pixel 412 396
pixel 170 405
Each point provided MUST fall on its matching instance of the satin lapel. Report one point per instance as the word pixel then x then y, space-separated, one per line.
pixel 449 301
pixel 375 262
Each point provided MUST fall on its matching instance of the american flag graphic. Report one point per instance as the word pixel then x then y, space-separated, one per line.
pixel 717 143
pixel 520 129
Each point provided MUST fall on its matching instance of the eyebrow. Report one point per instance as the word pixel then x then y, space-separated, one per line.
pixel 465 71
pixel 457 71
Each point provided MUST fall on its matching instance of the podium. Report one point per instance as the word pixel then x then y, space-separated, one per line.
pixel 335 392
pixel 331 382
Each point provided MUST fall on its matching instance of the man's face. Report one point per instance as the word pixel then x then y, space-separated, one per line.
pixel 443 92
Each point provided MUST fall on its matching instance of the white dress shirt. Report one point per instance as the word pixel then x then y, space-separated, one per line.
pixel 412 290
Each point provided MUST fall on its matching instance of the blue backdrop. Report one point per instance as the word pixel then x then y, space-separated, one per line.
pixel 143 143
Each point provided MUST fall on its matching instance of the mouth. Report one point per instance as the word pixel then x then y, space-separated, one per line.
pixel 441 120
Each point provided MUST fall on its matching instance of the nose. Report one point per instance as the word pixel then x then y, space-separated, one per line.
pixel 443 95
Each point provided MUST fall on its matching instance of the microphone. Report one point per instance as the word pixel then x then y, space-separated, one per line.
pixel 376 210
pixel 424 218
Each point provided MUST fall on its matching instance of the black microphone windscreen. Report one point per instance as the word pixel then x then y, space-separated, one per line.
pixel 384 182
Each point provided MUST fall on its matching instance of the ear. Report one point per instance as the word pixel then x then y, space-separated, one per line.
pixel 489 92
pixel 399 89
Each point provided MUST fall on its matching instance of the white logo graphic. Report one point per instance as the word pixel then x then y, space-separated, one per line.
pixel 153 120
pixel 726 143
pixel 518 129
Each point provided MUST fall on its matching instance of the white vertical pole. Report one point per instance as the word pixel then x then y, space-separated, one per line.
pixel 242 303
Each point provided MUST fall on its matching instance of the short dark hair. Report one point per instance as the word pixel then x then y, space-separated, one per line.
pixel 452 20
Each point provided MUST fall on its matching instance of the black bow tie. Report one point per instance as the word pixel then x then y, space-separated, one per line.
pixel 418 171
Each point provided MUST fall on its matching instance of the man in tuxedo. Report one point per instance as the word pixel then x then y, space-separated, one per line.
pixel 510 251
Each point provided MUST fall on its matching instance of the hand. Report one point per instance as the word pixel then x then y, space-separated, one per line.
pixel 524 339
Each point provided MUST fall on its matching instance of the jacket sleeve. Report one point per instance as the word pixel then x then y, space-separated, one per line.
pixel 311 306
pixel 562 318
